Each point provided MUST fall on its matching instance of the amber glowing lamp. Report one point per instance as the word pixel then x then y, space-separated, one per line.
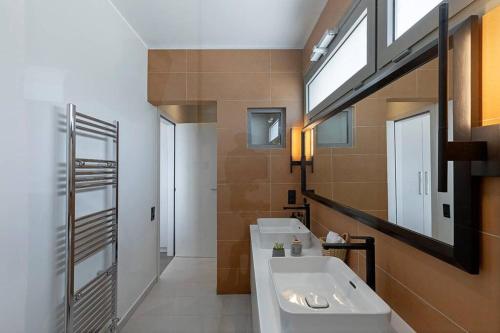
pixel 301 148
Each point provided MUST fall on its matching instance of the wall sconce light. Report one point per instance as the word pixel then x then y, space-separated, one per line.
pixel 301 148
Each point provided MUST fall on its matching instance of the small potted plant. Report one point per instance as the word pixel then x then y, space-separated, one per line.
pixel 278 250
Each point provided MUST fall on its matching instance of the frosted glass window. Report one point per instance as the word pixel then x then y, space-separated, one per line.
pixel 336 131
pixel 350 56
pixel 408 13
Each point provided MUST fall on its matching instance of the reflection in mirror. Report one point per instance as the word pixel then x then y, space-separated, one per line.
pixel 380 156
pixel 407 13
pixel 336 131
pixel 265 128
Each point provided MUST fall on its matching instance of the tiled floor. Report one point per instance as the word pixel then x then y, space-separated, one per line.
pixel 185 300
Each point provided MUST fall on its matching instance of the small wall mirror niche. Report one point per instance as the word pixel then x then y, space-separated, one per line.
pixel 266 128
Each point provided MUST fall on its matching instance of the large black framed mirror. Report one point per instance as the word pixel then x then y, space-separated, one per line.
pixel 385 172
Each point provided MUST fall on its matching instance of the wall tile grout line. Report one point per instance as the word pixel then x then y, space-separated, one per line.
pixel 419 297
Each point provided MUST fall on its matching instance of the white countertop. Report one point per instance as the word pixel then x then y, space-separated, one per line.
pixel 263 296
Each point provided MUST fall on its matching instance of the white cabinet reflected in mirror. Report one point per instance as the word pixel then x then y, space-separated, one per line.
pixel 413 198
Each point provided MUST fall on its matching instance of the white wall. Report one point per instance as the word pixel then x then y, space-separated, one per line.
pixel 13 168
pixel 51 54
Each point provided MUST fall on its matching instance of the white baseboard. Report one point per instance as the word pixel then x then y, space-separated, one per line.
pixel 125 318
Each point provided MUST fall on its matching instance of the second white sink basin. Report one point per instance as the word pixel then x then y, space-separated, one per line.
pixel 322 294
pixel 282 230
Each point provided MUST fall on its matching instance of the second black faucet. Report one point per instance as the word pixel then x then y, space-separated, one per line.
pixel 306 207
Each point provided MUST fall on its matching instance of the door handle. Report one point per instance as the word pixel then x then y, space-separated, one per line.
pixel 426 182
pixel 213 189
pixel 420 182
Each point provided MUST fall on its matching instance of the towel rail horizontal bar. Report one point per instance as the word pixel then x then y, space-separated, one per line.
pixel 87 167
pixel 99 322
pixel 104 219
pixel 94 231
pixel 92 225
pixel 105 296
pixel 100 289
pixel 100 325
pixel 93 160
pixel 89 130
pixel 94 214
pixel 86 322
pixel 89 314
pixel 94 178
pixel 97 172
pixel 101 275
pixel 81 247
pixel 81 115
pixel 94 251
pixel 104 287
pixel 97 184
pixel 98 233
pixel 82 298
pixel 95 246
pixel 89 289
pixel 88 123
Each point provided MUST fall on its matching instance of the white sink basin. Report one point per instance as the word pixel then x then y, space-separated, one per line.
pixel 344 302
pixel 282 230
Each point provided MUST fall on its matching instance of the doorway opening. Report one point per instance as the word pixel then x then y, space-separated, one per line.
pixel 167 192
pixel 188 181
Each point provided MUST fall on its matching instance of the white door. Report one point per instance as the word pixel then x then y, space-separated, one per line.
pixel 196 184
pixel 413 176
pixel 427 173
pixel 167 186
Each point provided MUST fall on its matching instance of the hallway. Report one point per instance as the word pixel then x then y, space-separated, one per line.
pixel 185 300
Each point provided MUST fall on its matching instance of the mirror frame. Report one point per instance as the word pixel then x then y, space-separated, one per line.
pixel 464 253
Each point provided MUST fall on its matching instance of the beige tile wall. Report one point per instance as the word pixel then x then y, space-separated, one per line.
pixel 429 294
pixel 251 183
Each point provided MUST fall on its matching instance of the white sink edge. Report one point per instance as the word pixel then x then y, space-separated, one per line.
pixel 282 230
pixel 303 229
pixel 355 278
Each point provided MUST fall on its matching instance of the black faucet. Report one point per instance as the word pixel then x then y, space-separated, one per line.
pixel 307 208
pixel 368 246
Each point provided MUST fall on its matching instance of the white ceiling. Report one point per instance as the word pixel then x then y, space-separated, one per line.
pixel 222 24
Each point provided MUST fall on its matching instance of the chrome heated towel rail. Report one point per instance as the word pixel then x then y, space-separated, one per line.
pixel 92 307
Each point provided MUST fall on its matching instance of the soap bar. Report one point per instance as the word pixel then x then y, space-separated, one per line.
pixel 316 302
